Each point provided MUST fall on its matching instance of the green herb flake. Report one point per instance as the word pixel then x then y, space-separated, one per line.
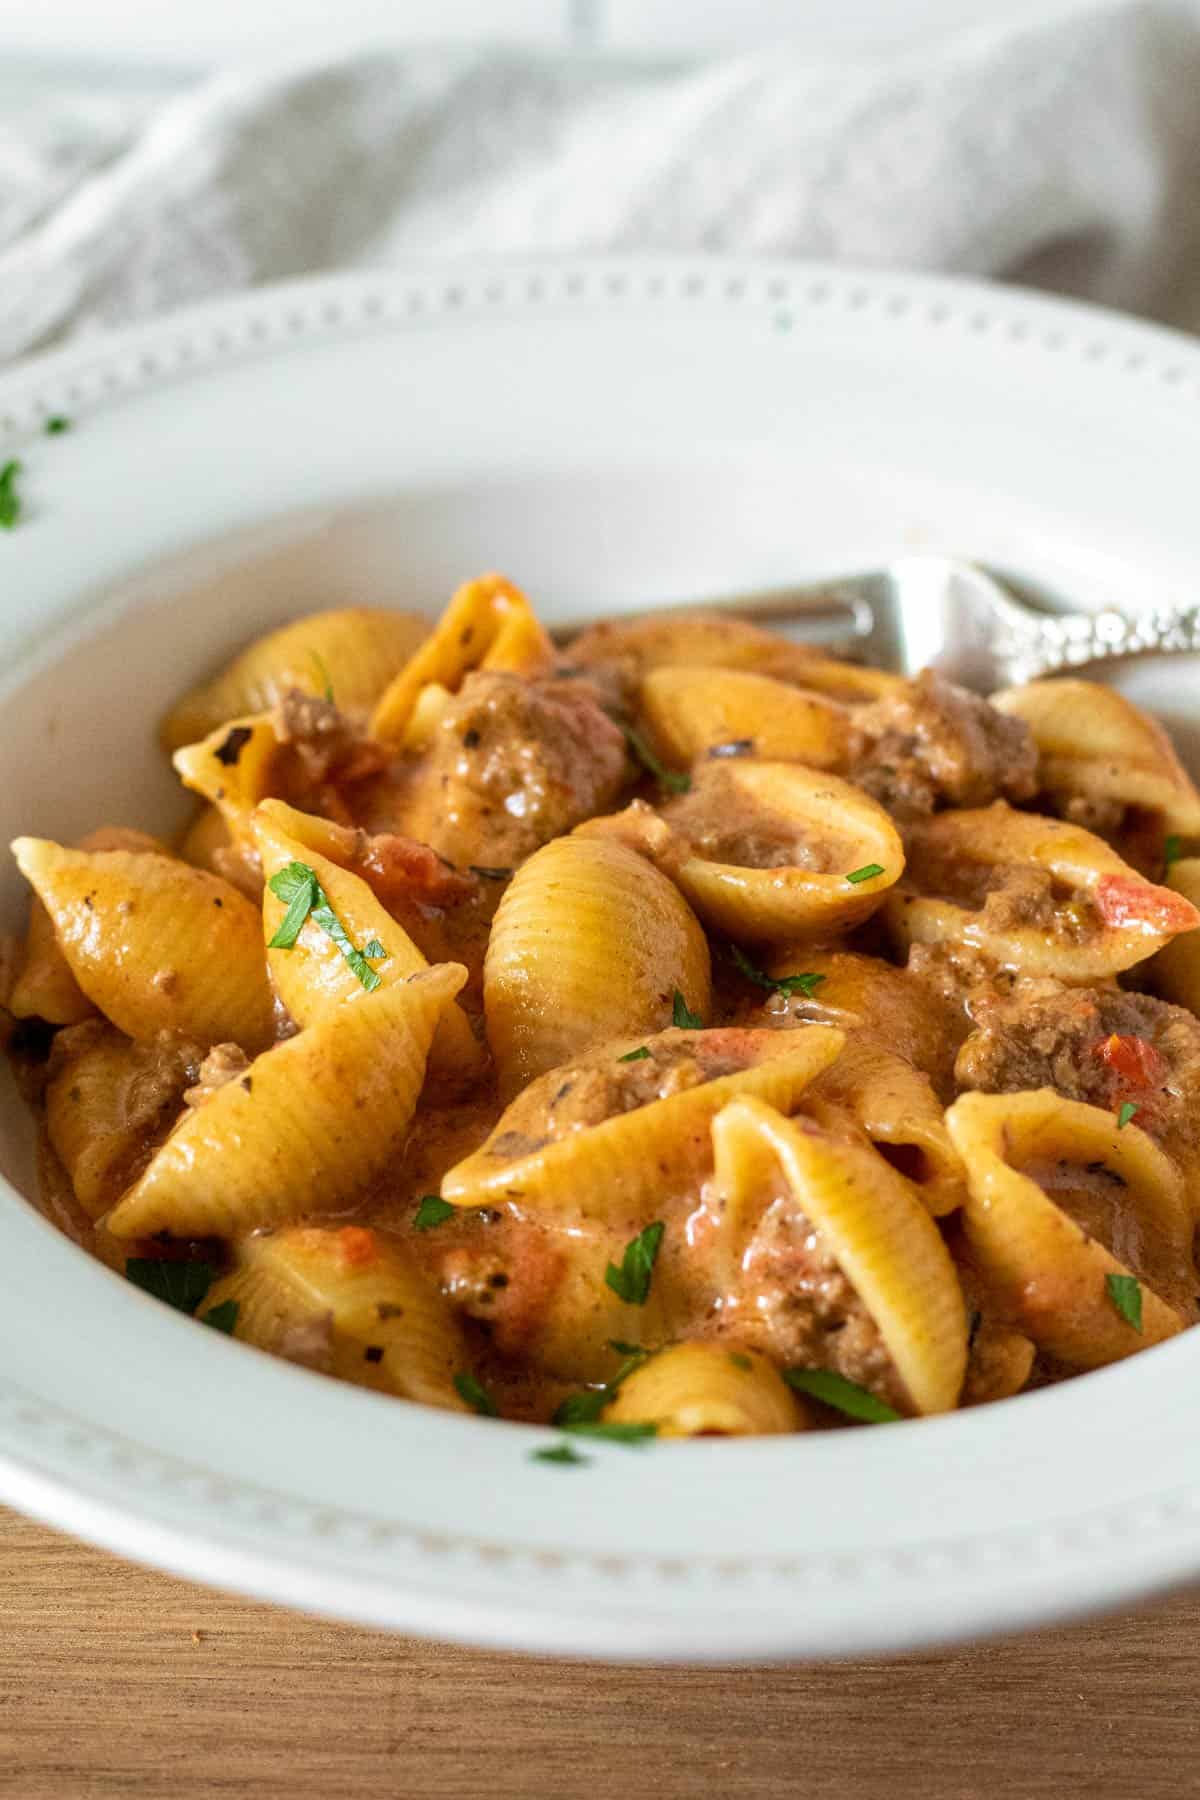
pixel 472 1390
pixel 741 1362
pixel 638 1055
pixel 631 1282
pixel 296 885
pixel 1125 1292
pixel 1128 1111
pixel 323 675
pixel 56 424
pixel 582 1408
pixel 634 1432
pixel 1172 850
pixel 223 1317
pixel 681 1015
pixel 433 1210
pixel 565 1454
pixel 624 1349
pixel 10 500
pixel 182 1285
pixel 669 779
pixel 806 984
pixel 868 872
pixel 834 1390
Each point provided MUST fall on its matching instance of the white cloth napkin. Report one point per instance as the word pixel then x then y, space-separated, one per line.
pixel 1064 153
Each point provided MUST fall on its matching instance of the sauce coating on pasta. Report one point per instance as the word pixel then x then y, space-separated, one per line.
pixel 679 1034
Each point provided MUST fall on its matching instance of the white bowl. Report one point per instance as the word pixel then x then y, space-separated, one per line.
pixel 607 434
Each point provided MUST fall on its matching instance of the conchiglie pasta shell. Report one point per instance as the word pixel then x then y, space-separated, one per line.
pixel 1094 742
pixel 1038 1264
pixel 488 624
pixel 872 1222
pixel 589 943
pixel 624 1167
pixel 701 1390
pixel 836 830
pixel 368 1296
pixel 44 987
pixel 1135 917
pixel 895 1105
pixel 712 641
pixel 156 945
pixel 232 767
pixel 359 648
pixel 1175 971
pixel 689 712
pixel 312 1124
pixel 106 1104
pixel 313 977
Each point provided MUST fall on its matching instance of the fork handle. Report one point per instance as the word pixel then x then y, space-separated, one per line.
pixel 1031 646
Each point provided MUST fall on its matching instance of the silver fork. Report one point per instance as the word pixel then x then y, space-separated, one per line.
pixel 939 610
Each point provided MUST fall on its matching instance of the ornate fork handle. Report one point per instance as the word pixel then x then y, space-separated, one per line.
pixel 1031 645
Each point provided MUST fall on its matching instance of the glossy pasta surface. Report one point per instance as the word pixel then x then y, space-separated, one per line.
pixel 676 1034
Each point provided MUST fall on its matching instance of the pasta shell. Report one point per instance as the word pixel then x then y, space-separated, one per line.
pixel 589 943
pixel 1046 1273
pixel 232 767
pixel 108 1100
pixel 713 641
pixel 896 1107
pixel 1035 894
pixel 1095 744
pixel 44 987
pixel 357 650
pixel 1175 971
pixel 695 712
pixel 871 1221
pixel 488 624
pixel 313 978
pixel 156 945
pixel 350 1303
pixel 315 1121
pixel 642 1147
pixel 765 851
pixel 702 1390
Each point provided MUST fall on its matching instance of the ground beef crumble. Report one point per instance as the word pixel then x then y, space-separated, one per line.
pixel 932 744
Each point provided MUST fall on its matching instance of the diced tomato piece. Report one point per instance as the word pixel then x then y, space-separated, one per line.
pixel 1124 900
pixel 358 1246
pixel 1133 1059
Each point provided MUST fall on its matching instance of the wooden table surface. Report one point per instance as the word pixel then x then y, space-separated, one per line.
pixel 115 1681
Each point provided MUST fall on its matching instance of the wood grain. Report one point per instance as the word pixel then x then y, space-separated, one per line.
pixel 105 1691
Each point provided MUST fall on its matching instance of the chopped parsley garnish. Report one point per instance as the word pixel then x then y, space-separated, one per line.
pixel 834 1390
pixel 735 747
pixel 56 424
pixel 1127 1112
pixel 297 886
pixel 631 1282
pixel 182 1285
pixel 486 874
pixel 1172 850
pixel 323 676
pixel 638 1055
pixel 223 1317
pixel 10 500
pixel 624 1349
pixel 630 1431
pixel 585 1407
pixel 432 1211
pixel 868 872
pixel 670 779
pixel 682 1017
pixel 1125 1292
pixel 806 984
pixel 559 1453
pixel 472 1390
pixel 740 1361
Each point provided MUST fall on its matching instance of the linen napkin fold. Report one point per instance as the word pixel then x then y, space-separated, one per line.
pixel 1064 153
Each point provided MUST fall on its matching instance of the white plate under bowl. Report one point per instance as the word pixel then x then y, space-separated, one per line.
pixel 606 433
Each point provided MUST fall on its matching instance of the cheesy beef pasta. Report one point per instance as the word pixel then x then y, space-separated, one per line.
pixel 683 1033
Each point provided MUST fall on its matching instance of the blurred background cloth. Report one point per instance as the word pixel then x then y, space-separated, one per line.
pixel 1062 151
